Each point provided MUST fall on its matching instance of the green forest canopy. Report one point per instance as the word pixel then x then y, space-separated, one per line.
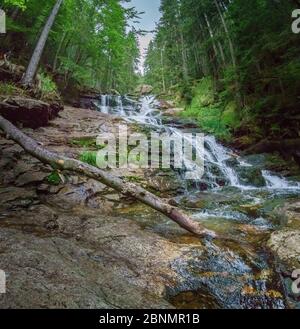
pixel 90 44
pixel 235 63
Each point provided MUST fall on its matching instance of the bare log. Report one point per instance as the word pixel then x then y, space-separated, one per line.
pixel 58 161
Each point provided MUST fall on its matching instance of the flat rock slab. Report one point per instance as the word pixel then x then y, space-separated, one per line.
pixel 60 245
pixel 28 112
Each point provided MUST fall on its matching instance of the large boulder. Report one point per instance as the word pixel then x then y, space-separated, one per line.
pixel 144 89
pixel 174 111
pixel 29 112
pixel 285 243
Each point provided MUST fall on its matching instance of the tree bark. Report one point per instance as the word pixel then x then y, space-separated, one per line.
pixel 162 68
pixel 58 51
pixel 37 54
pixel 212 36
pixel 232 54
pixel 58 161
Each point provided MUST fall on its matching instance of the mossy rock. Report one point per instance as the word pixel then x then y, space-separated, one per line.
pixel 252 210
pixel 251 176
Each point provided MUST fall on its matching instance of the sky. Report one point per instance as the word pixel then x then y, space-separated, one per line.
pixel 147 22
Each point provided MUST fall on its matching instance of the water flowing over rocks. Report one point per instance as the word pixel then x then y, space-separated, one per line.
pixel 70 242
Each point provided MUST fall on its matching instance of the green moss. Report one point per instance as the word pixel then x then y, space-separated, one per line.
pixel 229 116
pixel 86 142
pixel 54 178
pixel 214 117
pixel 89 157
pixel 9 89
pixel 134 179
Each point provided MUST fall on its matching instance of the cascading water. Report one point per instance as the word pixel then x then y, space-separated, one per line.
pixel 104 105
pixel 218 171
pixel 235 274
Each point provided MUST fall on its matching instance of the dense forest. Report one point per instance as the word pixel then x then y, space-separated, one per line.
pixel 175 185
pixel 90 44
pixel 234 64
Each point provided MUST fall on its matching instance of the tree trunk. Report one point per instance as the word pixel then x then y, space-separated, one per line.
pixel 37 54
pixel 54 67
pixel 232 54
pixel 61 162
pixel 212 36
pixel 185 70
pixel 162 68
pixel 231 48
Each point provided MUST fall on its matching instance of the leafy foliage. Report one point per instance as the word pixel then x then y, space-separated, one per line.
pixel 90 44
pixel 89 157
pixel 248 52
pixel 54 178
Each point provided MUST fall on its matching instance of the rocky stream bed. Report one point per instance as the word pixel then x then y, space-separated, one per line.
pixel 79 244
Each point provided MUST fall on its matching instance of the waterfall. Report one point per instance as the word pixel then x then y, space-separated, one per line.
pixel 104 104
pixel 276 182
pixel 217 158
pixel 221 154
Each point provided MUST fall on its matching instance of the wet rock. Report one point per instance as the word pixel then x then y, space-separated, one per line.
pixel 224 279
pixel 179 122
pixel 144 89
pixel 165 183
pixel 273 162
pixel 253 210
pixel 83 259
pixel 193 202
pixel 165 105
pixel 22 167
pixel 174 111
pixel 286 245
pixel 251 176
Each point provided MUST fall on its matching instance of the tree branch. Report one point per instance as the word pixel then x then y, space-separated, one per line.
pixel 58 161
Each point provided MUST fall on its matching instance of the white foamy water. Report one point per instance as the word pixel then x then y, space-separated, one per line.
pixel 215 155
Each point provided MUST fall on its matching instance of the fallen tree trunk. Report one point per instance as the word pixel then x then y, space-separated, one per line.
pixel 58 161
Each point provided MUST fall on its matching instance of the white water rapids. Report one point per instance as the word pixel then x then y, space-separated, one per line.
pixel 217 158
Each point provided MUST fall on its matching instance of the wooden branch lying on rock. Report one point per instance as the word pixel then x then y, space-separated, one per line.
pixel 58 161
